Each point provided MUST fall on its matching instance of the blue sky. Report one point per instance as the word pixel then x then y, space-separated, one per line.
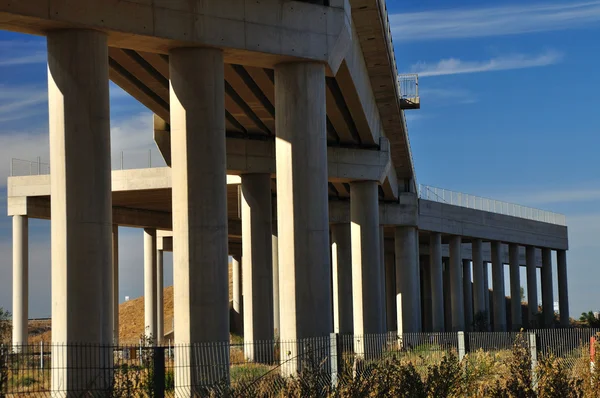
pixel 509 111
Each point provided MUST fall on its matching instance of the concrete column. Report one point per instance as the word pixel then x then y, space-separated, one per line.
pixel 257 252
pixel 150 283
pixel 563 287
pixel 302 205
pixel 274 246
pixel 198 166
pixel 468 294
pixel 532 289
pixel 478 278
pixel 390 287
pixel 160 285
pixel 20 308
pixel 341 264
pixel 382 300
pixel 437 282
pixel 408 301
pixel 426 293
pixel 447 295
pixel 115 283
pixel 81 208
pixel 498 285
pixel 486 289
pixel 236 276
pixel 515 287
pixel 547 290
pixel 456 284
pixel 366 263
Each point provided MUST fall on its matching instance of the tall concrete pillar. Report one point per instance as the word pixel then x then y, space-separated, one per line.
pixel 547 289
pixel 456 284
pixel 150 284
pixel 408 301
pixel 20 308
pixel 468 294
pixel 236 282
pixel 366 263
pixel 563 287
pixel 437 282
pixel 81 208
pixel 515 286
pixel 486 289
pixel 274 246
pixel 115 283
pixel 198 167
pixel 382 299
pixel 479 291
pixel 498 285
pixel 257 252
pixel 447 295
pixel 160 307
pixel 303 204
pixel 532 289
pixel 426 293
pixel 390 286
pixel 341 264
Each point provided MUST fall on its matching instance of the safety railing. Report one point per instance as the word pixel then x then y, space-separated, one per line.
pixel 408 84
pixel 125 160
pixel 491 205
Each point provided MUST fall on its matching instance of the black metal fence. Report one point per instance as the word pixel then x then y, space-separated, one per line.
pixel 260 368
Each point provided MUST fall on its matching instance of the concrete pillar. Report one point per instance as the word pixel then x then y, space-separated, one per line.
pixel 81 208
pixel 447 295
pixel 437 282
pixel 302 205
pixel 390 286
pixel 236 276
pixel 115 283
pixel 366 263
pixel 341 264
pixel 456 284
pixel 468 294
pixel 547 290
pixel 515 287
pixel 382 299
pixel 257 252
pixel 478 278
pixel 150 284
pixel 20 310
pixel 426 293
pixel 198 167
pixel 486 289
pixel 532 289
pixel 498 285
pixel 274 246
pixel 563 287
pixel 160 308
pixel 408 301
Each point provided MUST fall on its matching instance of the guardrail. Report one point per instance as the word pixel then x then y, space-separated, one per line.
pixel 408 84
pixel 494 206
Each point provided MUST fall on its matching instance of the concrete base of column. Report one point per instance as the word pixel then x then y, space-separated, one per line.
pixel 341 256
pixel 237 323
pixel 515 287
pixel 468 294
pixel 456 284
pixel 437 282
pixel 532 290
pixel 499 301
pixel 407 279
pixel 563 287
pixel 160 310
pixel 150 284
pixel 390 286
pixel 20 282
pixel 547 289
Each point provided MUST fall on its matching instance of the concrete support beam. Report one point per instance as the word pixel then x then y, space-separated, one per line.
pixel 341 264
pixel 302 206
pixel 515 287
pixel 437 282
pixel 115 283
pixel 390 289
pixel 532 288
pixel 160 307
pixel 81 207
pixel 257 252
pixel 547 289
pixel 408 302
pixel 456 285
pixel 563 287
pixel 20 309
pixel 199 209
pixel 468 294
pixel 150 284
pixel 366 263
pixel 498 285
pixel 479 291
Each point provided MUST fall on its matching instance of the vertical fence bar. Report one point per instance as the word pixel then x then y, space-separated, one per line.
pixel 462 349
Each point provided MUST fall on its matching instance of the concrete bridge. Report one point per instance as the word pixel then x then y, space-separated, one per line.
pixel 283 127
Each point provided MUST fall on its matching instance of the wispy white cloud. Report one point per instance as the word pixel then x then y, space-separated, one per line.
pixel 494 21
pixel 457 95
pixel 19 52
pixel 454 66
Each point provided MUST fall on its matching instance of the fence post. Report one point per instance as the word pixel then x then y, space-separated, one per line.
pixel 462 348
pixel 158 366
pixel 533 350
pixel 334 357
